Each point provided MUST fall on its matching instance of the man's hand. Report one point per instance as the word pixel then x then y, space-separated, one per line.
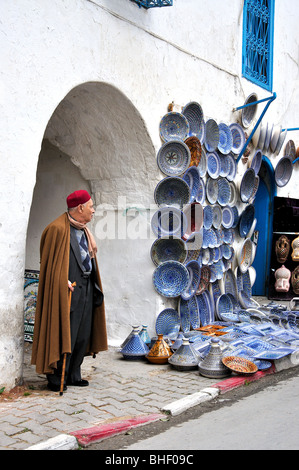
pixel 70 286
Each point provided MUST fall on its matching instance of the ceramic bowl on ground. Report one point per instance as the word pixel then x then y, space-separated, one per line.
pixel 238 138
pixel 168 323
pixel 245 255
pixel 211 135
pixel 224 306
pixel 170 278
pixel 169 221
pixel 246 220
pixel 194 279
pixel 192 178
pixel 225 139
pixel 257 161
pixel 194 215
pixel 247 185
pixel 174 126
pixel 211 190
pixel 224 191
pixel 168 249
pixel 207 216
pixel 173 158
pixel 275 137
pixel 240 365
pixel 194 146
pixel 283 171
pixel 194 114
pixel 172 191
pixel 217 216
pixel 248 113
pixel 213 165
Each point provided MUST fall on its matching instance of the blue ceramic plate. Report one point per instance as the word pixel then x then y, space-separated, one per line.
pixel 204 310
pixel 168 323
pixel 238 137
pixel 194 115
pixel 224 191
pixel 211 135
pixel 193 312
pixel 169 221
pixel 201 193
pixel 246 220
pixel 247 185
pixel 224 306
pixel 202 166
pixel 172 191
pixel 217 216
pixel 207 217
pixel 192 178
pixel 170 278
pixel 248 113
pixel 211 190
pixel 168 249
pixel 194 279
pixel 184 315
pixel 225 139
pixel 213 162
pixel 232 167
pixel 283 171
pixel 174 126
pixel 256 161
pixel 173 158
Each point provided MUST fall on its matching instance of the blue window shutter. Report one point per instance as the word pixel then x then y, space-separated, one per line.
pixel 258 39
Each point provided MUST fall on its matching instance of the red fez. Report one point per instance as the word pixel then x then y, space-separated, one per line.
pixel 77 197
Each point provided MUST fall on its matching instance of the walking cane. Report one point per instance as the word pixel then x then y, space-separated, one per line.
pixel 65 354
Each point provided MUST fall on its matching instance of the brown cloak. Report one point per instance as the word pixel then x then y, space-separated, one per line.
pixel 52 337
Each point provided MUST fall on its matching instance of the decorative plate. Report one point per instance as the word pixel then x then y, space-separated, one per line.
pixel 207 216
pixel 268 137
pixel 224 306
pixel 248 113
pixel 194 114
pixel 169 221
pixel 192 178
pixel 280 142
pixel 211 305
pixel 203 309
pixel 290 149
pixel 230 217
pixel 202 166
pixel 194 145
pixel 168 249
pixel 230 283
pixel 240 365
pixel 205 277
pixel 224 165
pixel 232 167
pixel 201 193
pixel 194 244
pixel 211 135
pixel 274 353
pixel 184 315
pixel 262 137
pixel 275 137
pixel 174 126
pixel 217 216
pixel 257 161
pixel 194 279
pixel 193 313
pixel 225 139
pixel 212 190
pixel 247 302
pixel 228 235
pixel 213 162
pixel 234 194
pixel 194 214
pixel 174 158
pixel 283 171
pixel 168 323
pixel 172 190
pixel 224 191
pixel 238 137
pixel 170 278
pixel 246 220
pixel 247 185
pixel 245 255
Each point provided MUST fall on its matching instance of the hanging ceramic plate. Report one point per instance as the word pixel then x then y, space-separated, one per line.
pixel 280 142
pixel 194 244
pixel 217 216
pixel 224 306
pixel 194 145
pixel 227 217
pixel 238 137
pixel 170 278
pixel 275 137
pixel 213 165
pixel 232 167
pixel 211 135
pixel 211 190
pixel 262 137
pixel 246 220
pixel 204 310
pixel 245 255
pixel 168 323
pixel 202 166
pixel 194 115
pixel 192 178
pixel 184 315
pixel 290 150
pixel 201 193
pixel 207 216
pixel 194 214
pixel 174 126
pixel 256 161
pixel 283 171
pixel 169 221
pixel 172 191
pixel 268 137
pixel 247 185
pixel 248 113
pixel 224 191
pixel 194 279
pixel 224 165
pixel 225 139
pixel 230 283
pixel 205 277
pixel 168 249
pixel 173 158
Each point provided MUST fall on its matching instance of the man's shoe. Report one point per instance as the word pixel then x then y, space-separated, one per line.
pixel 79 383
pixel 55 388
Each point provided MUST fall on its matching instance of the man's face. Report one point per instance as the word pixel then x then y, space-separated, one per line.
pixel 87 211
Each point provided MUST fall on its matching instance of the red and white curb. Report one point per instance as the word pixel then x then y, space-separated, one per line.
pixel 84 437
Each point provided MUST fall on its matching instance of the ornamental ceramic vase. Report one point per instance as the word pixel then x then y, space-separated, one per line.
pixel 134 328
pixel 212 366
pixel 135 348
pixel 145 336
pixel 282 276
pixel 185 357
pixel 295 280
pixel 295 246
pixel 282 248
pixel 160 352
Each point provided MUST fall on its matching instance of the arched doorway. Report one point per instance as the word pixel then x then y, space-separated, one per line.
pixel 264 214
pixel 97 140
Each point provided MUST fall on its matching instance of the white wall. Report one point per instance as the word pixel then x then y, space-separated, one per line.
pixel 191 51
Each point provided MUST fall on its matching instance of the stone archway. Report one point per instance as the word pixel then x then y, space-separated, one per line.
pixel 97 140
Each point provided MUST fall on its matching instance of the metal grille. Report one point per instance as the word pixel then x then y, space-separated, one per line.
pixel 258 32
pixel 153 3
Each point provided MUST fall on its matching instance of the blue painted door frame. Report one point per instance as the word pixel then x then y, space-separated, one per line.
pixel 264 214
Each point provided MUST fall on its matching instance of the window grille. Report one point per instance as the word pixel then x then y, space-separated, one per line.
pixel 153 3
pixel 258 38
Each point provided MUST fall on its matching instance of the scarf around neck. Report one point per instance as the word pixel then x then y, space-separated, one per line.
pixel 92 246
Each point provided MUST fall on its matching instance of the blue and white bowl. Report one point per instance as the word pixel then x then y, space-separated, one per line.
pixel 238 137
pixel 172 191
pixel 207 216
pixel 224 191
pixel 173 158
pixel 225 139
pixel 174 126
pixel 195 117
pixel 194 279
pixel 169 221
pixel 213 162
pixel 170 279
pixel 211 135
pixel 192 178
pixel 168 249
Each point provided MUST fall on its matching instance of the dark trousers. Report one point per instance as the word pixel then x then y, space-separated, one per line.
pixel 81 319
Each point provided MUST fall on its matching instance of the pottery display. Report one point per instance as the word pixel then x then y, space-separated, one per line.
pixel 212 366
pixel 135 348
pixel 282 249
pixel 160 351
pixel 295 247
pixel 174 126
pixel 282 276
pixel 185 357
pixel 134 328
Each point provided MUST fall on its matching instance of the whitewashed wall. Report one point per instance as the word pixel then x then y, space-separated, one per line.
pixel 140 60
